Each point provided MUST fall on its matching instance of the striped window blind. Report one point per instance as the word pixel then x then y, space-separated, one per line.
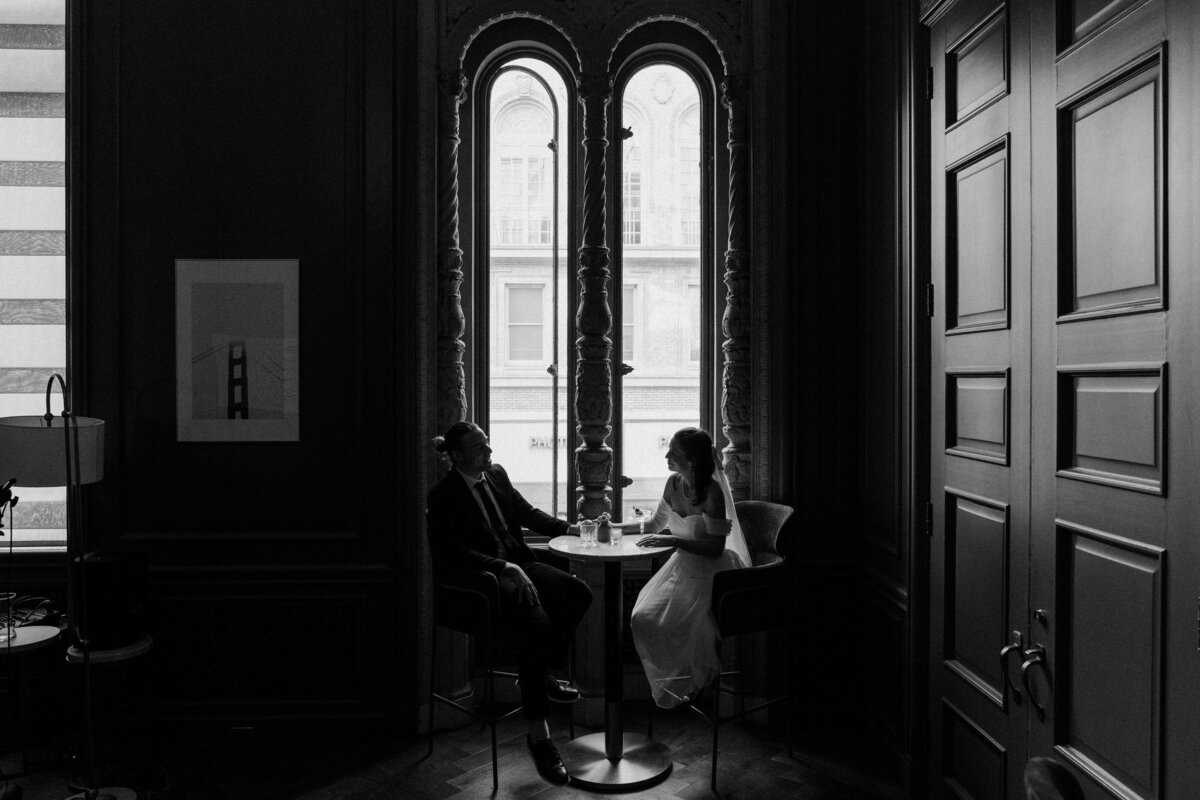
pixel 33 206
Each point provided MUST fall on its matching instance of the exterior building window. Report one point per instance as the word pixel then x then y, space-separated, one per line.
pixel 629 328
pixel 522 190
pixel 631 198
pixel 692 334
pixel 689 179
pixel 526 323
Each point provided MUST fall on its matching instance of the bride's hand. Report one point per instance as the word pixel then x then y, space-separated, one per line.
pixel 656 540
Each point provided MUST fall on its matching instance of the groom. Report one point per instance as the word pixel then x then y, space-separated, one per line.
pixel 475 523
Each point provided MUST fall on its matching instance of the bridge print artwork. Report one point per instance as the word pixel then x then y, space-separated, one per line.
pixel 237 350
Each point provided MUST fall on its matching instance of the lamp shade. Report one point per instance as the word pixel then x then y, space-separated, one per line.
pixel 33 450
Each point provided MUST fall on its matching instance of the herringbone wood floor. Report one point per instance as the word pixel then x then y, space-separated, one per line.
pixel 752 764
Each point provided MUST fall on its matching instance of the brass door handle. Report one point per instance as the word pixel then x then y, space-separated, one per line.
pixel 1015 646
pixel 1034 655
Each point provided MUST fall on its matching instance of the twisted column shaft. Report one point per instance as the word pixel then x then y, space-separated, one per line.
pixel 735 324
pixel 451 323
pixel 593 369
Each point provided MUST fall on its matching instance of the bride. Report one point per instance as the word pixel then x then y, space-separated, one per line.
pixel 673 626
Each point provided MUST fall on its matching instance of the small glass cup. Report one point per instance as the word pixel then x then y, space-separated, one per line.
pixel 7 624
pixel 587 532
pixel 614 535
pixel 640 516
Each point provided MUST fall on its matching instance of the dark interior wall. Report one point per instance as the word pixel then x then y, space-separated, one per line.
pixel 233 130
pixel 842 282
pixel 282 574
pixel 820 230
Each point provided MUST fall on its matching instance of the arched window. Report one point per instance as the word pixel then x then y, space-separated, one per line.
pixel 625 302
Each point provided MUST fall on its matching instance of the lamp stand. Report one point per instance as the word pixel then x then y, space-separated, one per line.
pixel 78 609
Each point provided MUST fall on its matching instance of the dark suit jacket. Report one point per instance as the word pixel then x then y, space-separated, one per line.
pixel 459 535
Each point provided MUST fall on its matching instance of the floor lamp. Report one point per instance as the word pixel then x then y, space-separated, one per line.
pixel 64 451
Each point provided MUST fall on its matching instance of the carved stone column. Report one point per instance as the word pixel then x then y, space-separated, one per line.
pixel 451 324
pixel 736 395
pixel 453 656
pixel 593 370
pixel 593 383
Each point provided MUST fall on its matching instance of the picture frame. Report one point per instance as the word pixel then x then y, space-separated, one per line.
pixel 237 350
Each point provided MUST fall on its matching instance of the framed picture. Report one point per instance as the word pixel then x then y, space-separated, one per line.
pixel 237 353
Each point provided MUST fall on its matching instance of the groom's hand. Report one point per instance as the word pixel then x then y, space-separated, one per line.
pixel 526 591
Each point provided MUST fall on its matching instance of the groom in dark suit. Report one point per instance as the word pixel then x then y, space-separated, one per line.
pixel 476 519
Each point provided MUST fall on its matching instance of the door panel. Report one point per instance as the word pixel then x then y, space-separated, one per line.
pixel 980 363
pixel 1065 388
pixel 1101 392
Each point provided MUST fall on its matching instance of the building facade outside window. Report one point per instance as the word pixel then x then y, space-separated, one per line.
pixel 33 263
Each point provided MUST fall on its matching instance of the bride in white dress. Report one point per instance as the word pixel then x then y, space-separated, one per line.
pixel 673 626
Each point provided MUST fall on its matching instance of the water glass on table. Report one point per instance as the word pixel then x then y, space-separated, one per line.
pixel 587 532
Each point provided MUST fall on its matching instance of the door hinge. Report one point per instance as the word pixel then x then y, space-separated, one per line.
pixel 929 83
pixel 929 299
pixel 928 518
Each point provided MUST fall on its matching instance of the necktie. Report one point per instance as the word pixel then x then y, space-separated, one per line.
pixel 494 516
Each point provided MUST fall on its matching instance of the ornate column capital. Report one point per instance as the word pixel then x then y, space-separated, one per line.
pixel 452 87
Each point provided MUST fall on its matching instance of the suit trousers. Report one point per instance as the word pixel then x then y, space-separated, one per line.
pixel 543 631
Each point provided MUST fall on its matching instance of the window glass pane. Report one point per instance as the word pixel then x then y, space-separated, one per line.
pixel 525 342
pixel 628 329
pixel 631 197
pixel 693 331
pixel 661 246
pixel 527 406
pixel 33 332
pixel 525 304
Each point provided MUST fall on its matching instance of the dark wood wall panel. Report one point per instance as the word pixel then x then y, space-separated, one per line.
pixel 1112 645
pixel 280 572
pixel 977 415
pixel 1111 426
pixel 886 672
pixel 977 268
pixel 974 762
pixel 975 592
pixel 1113 194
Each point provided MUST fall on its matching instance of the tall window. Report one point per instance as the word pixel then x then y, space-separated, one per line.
pixel 33 340
pixel 527 400
pixel 661 178
pixel 631 197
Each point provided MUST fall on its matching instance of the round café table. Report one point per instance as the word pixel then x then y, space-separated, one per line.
pixel 613 760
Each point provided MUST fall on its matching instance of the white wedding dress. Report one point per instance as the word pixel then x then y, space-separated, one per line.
pixel 672 623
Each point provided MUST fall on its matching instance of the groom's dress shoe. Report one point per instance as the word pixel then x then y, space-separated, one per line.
pixel 560 691
pixel 545 756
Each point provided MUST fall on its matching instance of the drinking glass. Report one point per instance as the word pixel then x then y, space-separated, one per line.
pixel 640 516
pixel 614 535
pixel 7 624
pixel 587 532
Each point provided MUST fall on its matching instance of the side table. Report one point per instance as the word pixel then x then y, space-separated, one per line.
pixel 25 640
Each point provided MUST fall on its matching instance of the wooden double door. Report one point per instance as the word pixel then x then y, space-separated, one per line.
pixel 1065 395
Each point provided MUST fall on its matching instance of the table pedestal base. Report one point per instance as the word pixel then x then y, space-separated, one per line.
pixel 645 762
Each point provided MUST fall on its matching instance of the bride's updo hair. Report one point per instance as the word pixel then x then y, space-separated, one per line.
pixel 451 440
pixel 697 445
